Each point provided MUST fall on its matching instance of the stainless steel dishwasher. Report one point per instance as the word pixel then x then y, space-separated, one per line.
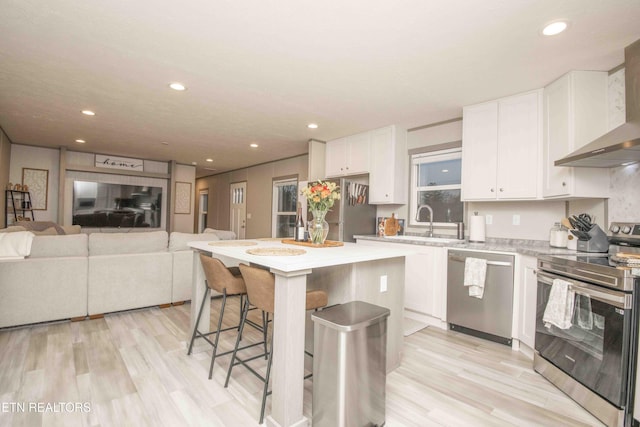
pixel 490 317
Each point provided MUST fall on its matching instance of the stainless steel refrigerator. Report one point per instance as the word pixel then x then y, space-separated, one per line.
pixel 351 215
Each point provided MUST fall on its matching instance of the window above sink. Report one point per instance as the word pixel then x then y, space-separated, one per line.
pixel 436 181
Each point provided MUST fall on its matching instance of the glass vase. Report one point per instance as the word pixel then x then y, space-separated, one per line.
pixel 318 227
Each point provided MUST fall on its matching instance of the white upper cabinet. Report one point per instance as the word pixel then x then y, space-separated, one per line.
pixel 382 153
pixel 348 156
pixel 479 151
pixel 501 148
pixel 388 171
pixel 575 113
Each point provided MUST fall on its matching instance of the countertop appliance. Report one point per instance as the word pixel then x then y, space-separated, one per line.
pixel 594 359
pixel 351 215
pixel 491 316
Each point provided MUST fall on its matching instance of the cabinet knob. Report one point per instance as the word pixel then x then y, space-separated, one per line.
pixel 535 272
pixel 501 190
pixel 347 168
pixel 492 190
pixel 564 184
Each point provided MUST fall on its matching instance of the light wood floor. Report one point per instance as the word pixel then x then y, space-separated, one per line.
pixel 132 369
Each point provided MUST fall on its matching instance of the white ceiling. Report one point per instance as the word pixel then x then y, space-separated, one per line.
pixel 259 71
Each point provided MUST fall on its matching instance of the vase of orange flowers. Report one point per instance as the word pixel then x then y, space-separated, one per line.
pixel 321 196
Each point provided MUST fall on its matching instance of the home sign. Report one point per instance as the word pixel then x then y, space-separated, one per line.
pixel 114 162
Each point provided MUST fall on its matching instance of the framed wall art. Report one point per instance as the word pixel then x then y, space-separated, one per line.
pixel 37 181
pixel 183 198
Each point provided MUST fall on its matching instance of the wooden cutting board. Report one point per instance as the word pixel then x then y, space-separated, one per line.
pixel 326 244
pixel 391 226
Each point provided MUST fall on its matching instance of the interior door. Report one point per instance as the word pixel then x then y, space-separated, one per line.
pixel 238 208
pixel 203 205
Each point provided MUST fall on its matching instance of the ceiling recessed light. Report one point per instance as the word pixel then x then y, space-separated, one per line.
pixel 554 28
pixel 177 86
pixel 88 113
pixel 164 143
pixel 254 145
pixel 80 141
pixel 445 170
pixel 312 126
pixel 194 163
pixel 209 160
pixel 210 169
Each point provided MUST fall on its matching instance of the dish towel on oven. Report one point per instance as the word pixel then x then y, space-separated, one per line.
pixel 584 315
pixel 475 273
pixel 559 309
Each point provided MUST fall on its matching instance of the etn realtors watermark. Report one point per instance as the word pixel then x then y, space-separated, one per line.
pixel 45 407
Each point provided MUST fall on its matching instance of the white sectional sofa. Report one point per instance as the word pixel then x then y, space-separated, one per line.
pixel 50 284
pixel 72 276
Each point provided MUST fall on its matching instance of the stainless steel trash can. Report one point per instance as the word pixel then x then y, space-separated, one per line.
pixel 349 365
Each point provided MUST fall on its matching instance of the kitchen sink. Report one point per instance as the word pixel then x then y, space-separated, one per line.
pixel 424 239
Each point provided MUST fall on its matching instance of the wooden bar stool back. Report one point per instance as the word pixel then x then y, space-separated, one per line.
pixel 261 287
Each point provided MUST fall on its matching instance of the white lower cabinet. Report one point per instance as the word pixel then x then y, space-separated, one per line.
pixel 526 307
pixel 425 282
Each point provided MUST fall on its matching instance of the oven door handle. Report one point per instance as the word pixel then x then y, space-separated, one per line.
pixel 491 263
pixel 608 296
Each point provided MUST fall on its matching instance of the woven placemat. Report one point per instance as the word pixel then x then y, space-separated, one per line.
pixel 233 243
pixel 276 251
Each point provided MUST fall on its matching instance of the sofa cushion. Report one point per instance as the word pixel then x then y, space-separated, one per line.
pixel 178 241
pixel 128 243
pixel 51 231
pixel 12 229
pixel 222 234
pixel 16 245
pixel 42 227
pixel 68 229
pixel 71 229
pixel 59 246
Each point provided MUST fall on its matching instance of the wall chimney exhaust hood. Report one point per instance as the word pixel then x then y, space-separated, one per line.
pixel 621 145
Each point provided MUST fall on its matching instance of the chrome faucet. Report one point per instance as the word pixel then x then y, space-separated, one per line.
pixel 430 217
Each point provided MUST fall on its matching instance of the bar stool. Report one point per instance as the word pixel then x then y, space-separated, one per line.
pixel 260 285
pixel 228 282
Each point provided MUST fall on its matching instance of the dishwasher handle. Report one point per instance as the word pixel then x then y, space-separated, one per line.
pixel 491 263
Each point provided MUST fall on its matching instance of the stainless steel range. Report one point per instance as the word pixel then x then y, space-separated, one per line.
pixel 587 325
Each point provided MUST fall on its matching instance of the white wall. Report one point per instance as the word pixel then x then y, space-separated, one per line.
pixel 536 218
pixel 24 156
pixel 259 180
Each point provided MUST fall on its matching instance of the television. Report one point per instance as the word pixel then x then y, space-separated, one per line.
pixel 99 204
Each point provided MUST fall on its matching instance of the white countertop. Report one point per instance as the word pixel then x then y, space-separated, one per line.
pixel 521 246
pixel 312 258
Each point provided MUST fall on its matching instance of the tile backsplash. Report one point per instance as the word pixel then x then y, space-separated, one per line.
pixel 624 204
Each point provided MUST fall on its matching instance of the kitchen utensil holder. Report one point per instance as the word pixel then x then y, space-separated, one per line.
pixel 598 241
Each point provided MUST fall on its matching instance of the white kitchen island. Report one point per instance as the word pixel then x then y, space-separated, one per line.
pixel 350 272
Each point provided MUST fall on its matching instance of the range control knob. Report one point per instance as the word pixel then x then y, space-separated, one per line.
pixel 615 228
pixel 626 229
